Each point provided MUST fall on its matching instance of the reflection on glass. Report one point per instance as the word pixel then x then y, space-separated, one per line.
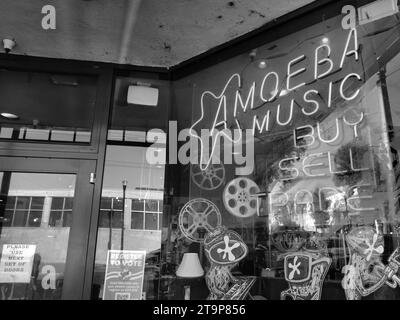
pixel 31 205
pixel 325 115
pixel 137 226
pixel 61 211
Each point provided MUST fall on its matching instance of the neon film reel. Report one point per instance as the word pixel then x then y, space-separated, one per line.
pixel 197 218
pixel 210 178
pixel 239 197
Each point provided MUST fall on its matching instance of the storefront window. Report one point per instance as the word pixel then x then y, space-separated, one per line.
pixel 131 209
pixel 284 173
pixel 44 107
pixel 33 253
pixel 303 205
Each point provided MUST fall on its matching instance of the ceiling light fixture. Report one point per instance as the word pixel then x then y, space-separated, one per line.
pixel 325 40
pixel 8 45
pixel 253 54
pixel 8 115
pixel 262 64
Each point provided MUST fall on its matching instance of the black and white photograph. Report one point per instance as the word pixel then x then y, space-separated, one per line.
pixel 165 151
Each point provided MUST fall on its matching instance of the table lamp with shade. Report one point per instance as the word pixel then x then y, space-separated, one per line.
pixel 189 268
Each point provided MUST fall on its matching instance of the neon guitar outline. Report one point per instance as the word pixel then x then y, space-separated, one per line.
pixel 222 101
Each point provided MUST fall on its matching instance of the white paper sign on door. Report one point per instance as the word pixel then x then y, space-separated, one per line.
pixel 16 263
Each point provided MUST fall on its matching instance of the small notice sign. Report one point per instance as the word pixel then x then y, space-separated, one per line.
pixel 124 275
pixel 16 263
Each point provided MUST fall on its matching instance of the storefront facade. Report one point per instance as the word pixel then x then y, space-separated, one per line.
pixel 105 199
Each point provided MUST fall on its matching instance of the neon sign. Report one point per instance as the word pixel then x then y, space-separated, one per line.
pixel 323 66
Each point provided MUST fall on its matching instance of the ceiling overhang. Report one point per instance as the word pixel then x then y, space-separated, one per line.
pixel 153 33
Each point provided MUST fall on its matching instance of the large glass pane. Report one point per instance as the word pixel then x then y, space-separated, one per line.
pixel 132 118
pixel 138 228
pixel 56 108
pixel 306 202
pixel 33 253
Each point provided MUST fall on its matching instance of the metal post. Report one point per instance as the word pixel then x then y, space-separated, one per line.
pixel 124 184
pixel 110 216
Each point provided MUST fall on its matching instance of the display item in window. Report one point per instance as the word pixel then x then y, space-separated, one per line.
pixel 224 249
pixel 240 290
pixel 210 178
pixel 289 240
pixel 197 217
pixel 305 273
pixel 306 269
pixel 240 197
pixel 365 273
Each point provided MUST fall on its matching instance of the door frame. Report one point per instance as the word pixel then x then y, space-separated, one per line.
pixel 78 240
pixel 93 152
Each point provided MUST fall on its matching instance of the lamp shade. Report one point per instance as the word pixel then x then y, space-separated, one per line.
pixel 190 266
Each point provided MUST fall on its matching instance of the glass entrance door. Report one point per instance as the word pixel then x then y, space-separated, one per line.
pixel 45 207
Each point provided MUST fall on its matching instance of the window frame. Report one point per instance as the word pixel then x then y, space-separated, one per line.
pixel 28 210
pixel 100 115
pixel 158 212
pixel 63 211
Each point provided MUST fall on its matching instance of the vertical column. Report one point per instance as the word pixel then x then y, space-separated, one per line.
pixel 127 214
pixel 46 212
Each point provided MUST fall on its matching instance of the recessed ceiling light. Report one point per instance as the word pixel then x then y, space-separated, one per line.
pixel 9 115
pixel 325 40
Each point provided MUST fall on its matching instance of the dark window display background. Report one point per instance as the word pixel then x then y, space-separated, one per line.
pixel 330 205
pixel 56 108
